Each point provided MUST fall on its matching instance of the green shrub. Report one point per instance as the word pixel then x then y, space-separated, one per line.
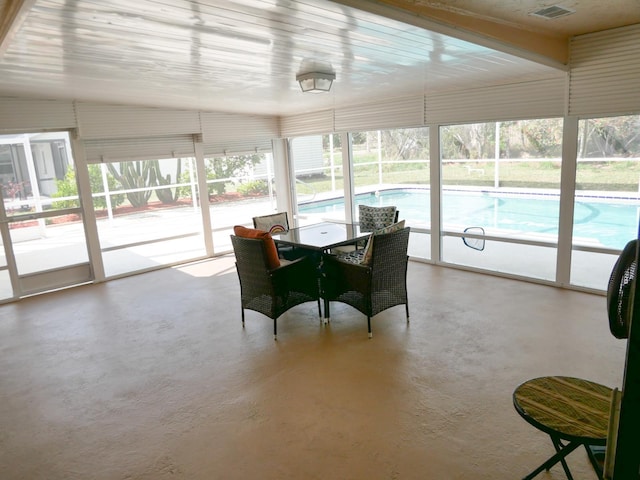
pixel 253 187
pixel 68 187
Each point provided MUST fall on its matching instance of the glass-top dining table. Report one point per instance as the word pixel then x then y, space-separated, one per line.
pixel 319 238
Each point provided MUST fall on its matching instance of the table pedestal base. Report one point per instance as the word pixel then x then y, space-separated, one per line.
pixel 562 450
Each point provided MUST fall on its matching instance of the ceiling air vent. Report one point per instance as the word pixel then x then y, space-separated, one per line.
pixel 555 11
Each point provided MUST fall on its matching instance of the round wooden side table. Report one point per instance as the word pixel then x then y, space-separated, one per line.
pixel 572 411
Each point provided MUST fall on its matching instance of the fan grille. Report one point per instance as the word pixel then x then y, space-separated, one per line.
pixel 620 291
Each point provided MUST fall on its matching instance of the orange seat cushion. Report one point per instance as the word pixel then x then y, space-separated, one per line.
pixel 269 245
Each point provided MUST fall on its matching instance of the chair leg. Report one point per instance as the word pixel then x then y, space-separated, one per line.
pixel 406 305
pixel 319 310
pixel 242 310
pixel 369 326
pixel 275 329
pixel 327 312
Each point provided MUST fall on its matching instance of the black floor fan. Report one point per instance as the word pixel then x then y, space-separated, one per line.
pixel 622 460
pixel 620 292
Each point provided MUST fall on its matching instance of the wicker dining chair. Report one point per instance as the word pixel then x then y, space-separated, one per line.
pixel 272 291
pixel 373 287
pixel 371 219
pixel 276 223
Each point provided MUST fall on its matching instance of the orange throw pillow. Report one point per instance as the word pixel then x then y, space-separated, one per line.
pixel 269 245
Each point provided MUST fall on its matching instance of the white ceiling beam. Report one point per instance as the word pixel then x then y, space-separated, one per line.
pixel 12 16
pixel 399 13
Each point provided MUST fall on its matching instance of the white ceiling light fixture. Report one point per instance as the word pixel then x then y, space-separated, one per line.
pixel 315 82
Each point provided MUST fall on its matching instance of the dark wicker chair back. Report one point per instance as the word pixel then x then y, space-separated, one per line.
pixel 272 292
pixel 375 287
pixel 253 271
pixel 389 270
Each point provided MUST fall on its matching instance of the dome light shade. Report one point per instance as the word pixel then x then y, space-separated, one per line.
pixel 315 82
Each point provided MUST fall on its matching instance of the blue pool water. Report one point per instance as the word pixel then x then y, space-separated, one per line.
pixel 607 223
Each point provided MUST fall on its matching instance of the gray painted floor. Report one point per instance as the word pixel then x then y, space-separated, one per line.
pixel 153 377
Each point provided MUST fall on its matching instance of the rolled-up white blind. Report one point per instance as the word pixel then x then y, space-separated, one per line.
pixel 307 124
pixel 148 148
pixel 125 121
pixel 535 99
pixel 528 99
pixel 234 133
pixel 393 113
pixel 605 73
pixel 24 115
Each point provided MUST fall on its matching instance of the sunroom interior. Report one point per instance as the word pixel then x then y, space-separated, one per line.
pixel 157 94
pixel 135 135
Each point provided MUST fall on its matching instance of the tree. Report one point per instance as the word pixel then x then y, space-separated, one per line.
pixel 222 168
pixel 544 137
pixel 337 141
pixel 473 141
pixel 12 190
pixel 229 167
pixel 610 137
pixel 403 144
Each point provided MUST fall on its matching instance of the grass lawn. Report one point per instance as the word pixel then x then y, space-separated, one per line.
pixel 619 176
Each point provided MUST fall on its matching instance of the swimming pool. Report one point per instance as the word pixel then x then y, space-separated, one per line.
pixel 597 222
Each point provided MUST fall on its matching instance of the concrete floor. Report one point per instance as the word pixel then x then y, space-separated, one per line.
pixel 153 377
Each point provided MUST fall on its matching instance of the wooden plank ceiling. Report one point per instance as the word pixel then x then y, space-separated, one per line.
pixel 243 55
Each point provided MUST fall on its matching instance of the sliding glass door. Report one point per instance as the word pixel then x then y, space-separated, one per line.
pixel 147 213
pixel 607 199
pixel 43 235
pixel 501 195
pixel 239 187
pixel 318 178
